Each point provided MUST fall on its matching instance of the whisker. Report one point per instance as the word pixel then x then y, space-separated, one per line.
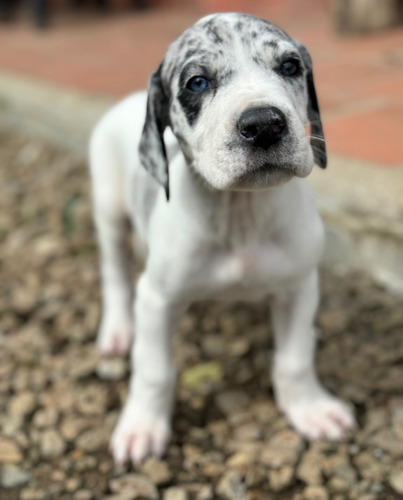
pixel 317 138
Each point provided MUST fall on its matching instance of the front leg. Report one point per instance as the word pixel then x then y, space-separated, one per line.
pixel 311 409
pixel 144 426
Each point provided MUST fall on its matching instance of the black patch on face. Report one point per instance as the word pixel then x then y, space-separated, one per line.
pixel 191 53
pixel 239 26
pixel 259 61
pixel 212 33
pixel 191 103
pixel 245 40
pixel 270 44
pixel 226 76
pixel 217 32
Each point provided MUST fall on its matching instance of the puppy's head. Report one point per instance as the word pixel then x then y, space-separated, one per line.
pixel 238 93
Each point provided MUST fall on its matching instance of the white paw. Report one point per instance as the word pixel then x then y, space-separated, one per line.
pixel 135 437
pixel 322 418
pixel 115 336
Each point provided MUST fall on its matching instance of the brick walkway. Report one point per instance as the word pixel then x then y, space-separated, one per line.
pixel 359 79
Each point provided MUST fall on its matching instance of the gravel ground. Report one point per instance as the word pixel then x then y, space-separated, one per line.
pixel 59 401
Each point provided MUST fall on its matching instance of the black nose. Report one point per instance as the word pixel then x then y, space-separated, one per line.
pixel 262 127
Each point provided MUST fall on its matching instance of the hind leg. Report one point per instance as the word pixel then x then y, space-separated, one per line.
pixel 116 329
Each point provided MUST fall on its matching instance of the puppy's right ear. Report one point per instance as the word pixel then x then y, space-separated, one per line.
pixel 152 147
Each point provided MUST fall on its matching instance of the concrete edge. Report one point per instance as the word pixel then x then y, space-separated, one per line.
pixel 361 204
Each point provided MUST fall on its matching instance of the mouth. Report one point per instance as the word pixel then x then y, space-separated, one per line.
pixel 262 176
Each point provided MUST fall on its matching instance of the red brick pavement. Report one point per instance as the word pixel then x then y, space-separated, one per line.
pixel 359 78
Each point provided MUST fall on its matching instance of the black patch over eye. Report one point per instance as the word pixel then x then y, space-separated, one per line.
pixel 193 91
pixel 291 67
pixel 198 84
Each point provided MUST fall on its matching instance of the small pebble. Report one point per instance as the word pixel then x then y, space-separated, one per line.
pixel 137 484
pixel 175 493
pixel 13 477
pixel 231 486
pixel 112 369
pixel 51 444
pixel 9 451
pixel 157 471
pixel 83 495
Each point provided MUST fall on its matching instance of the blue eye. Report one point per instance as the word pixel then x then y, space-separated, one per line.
pixel 290 67
pixel 198 84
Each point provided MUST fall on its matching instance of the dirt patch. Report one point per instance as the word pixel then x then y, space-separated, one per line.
pixel 59 401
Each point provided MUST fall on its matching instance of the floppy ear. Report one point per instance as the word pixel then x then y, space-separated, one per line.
pixel 152 147
pixel 317 137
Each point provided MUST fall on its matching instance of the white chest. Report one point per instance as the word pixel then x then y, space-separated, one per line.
pixel 242 275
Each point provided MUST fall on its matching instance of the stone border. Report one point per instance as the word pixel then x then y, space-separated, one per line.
pixel 362 204
pixel 62 116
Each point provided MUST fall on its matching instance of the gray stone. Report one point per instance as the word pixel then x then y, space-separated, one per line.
pixel 157 470
pixel 310 467
pixel 242 461
pixel 230 402
pixel 72 484
pixel 21 404
pixel 24 301
pixel 337 467
pixel 231 486
pixel 95 439
pixel 283 449
pixel 249 432
pixel 176 493
pixel 213 345
pixel 200 491
pixel 83 495
pixel 13 477
pixel 72 426
pixel 279 479
pixel 255 475
pixel 370 467
pixel 33 493
pixel 111 368
pixel 45 417
pixel 386 440
pixel 136 485
pixel 51 444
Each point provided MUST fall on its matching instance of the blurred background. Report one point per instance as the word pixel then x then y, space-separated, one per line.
pixel 109 47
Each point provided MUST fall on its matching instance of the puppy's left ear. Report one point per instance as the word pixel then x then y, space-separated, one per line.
pixel 318 143
pixel 152 147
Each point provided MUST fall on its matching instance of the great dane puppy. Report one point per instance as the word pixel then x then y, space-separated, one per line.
pixel 224 131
